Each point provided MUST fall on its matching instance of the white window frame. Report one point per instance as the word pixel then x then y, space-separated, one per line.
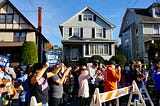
pixel 76 31
pixel 126 42
pixel 87 17
pixel 99 33
pixel 98 49
pixel 157 12
pixel 156 29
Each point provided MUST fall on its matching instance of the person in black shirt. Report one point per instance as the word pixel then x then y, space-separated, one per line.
pixel 139 76
pixel 38 81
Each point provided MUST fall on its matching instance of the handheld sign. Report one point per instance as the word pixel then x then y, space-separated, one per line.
pixel 4 60
pixel 52 59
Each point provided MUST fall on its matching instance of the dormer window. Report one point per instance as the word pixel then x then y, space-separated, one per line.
pixel 87 17
pixel 157 12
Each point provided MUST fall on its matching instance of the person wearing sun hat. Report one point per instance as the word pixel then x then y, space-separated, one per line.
pixel 138 76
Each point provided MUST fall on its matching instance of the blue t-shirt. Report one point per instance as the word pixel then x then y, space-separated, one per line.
pixel 156 77
pixel 24 96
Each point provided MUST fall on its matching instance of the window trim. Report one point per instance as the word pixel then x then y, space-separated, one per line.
pixel 157 12
pixel 88 18
pixel 6 19
pixel 19 38
pixel 98 49
pixel 96 32
pixel 3 20
pixel 156 29
pixel 76 34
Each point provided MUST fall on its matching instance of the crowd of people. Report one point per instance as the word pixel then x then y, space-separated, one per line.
pixel 49 84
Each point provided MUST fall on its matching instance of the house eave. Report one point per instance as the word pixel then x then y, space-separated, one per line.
pixel 88 41
pixel 10 44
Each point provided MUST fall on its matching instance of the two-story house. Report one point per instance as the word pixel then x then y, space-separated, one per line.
pixel 86 34
pixel 140 27
pixel 16 29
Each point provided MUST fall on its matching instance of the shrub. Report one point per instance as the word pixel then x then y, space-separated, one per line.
pixel 119 59
pixel 96 57
pixel 29 54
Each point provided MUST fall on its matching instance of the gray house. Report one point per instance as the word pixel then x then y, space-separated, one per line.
pixel 86 34
pixel 140 27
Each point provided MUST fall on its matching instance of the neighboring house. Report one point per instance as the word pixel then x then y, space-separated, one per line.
pixel 16 29
pixel 140 27
pixel 86 34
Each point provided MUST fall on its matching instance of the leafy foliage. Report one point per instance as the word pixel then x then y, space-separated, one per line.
pixel 29 53
pixel 119 59
pixel 153 48
pixel 83 60
pixel 96 57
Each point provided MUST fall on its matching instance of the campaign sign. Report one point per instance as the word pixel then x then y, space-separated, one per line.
pixel 4 60
pixel 52 59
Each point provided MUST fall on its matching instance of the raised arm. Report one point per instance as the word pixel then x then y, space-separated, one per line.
pixel 39 73
pixel 54 71
pixel 65 75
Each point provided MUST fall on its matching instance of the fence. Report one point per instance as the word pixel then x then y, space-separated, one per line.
pixel 99 98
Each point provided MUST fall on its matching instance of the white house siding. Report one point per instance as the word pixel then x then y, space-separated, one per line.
pixel 6 36
pixel 148 28
pixel 31 36
pixel 87 26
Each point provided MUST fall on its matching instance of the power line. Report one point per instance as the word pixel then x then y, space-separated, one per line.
pixel 44 27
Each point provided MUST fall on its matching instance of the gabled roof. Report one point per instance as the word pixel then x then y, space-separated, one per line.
pixel 145 16
pixel 4 2
pixel 88 8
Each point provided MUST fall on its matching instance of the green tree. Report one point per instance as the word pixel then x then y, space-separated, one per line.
pixel 83 60
pixel 153 48
pixel 29 54
pixel 96 57
pixel 119 59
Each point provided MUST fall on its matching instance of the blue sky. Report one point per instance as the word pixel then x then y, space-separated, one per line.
pixel 55 12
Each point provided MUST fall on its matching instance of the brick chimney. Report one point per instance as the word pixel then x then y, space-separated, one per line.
pixel 40 19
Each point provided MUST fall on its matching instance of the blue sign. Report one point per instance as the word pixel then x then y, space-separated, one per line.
pixel 4 60
pixel 52 59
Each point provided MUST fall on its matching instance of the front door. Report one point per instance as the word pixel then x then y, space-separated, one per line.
pixel 75 54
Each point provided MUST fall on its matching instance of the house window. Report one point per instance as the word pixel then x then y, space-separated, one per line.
pixel 136 32
pixel 9 18
pixel 126 43
pixel 156 29
pixel 76 32
pixel 87 17
pixel 99 33
pixel 75 54
pixel 99 49
pixel 6 18
pixel 2 18
pixel 19 36
pixel 157 12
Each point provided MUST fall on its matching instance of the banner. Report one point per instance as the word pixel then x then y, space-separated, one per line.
pixel 4 60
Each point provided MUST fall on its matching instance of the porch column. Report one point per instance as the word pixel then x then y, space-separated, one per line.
pixel 84 50
pixel 152 41
pixel 112 49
